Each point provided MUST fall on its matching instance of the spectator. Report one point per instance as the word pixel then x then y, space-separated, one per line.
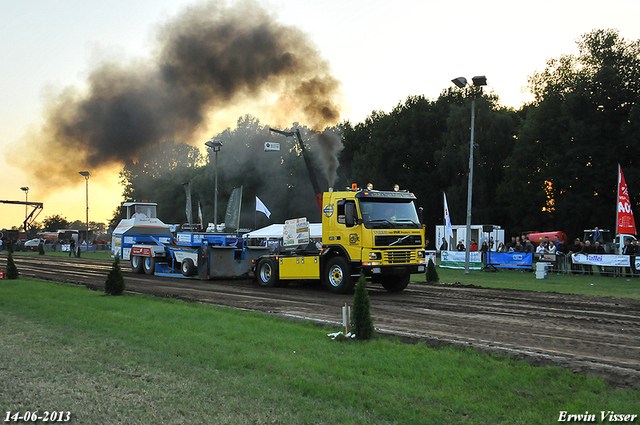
pixel 444 246
pixel 484 249
pixel 460 246
pixel 599 249
pixel 518 247
pixel 587 250
pixel 574 249
pixel 528 247
pixel 541 249
pixel 510 246
pixel 474 245
pixel 551 247
pixel 492 244
pixel 629 250
pixel 501 247
pixel 427 245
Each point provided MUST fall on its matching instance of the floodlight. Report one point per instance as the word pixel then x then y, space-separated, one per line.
pixel 460 82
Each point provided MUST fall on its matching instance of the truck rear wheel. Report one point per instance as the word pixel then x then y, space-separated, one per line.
pixel 267 273
pixel 136 264
pixel 149 265
pixel 337 276
pixel 187 266
pixel 395 283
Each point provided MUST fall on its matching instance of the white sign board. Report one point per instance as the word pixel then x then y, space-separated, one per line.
pixel 295 232
pixel 270 146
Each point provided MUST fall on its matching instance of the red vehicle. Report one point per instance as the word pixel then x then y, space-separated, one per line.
pixel 537 237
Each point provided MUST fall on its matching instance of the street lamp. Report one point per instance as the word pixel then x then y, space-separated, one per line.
pixel 26 205
pixel 215 145
pixel 478 82
pixel 86 175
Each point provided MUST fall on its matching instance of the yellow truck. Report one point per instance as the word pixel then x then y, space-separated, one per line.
pixel 377 233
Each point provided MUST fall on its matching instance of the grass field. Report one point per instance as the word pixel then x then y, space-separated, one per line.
pixel 139 360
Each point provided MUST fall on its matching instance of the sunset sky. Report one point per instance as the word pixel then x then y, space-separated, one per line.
pixel 380 51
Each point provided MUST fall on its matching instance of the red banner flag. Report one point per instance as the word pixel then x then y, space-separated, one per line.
pixel 625 220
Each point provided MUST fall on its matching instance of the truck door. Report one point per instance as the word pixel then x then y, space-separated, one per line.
pixel 350 225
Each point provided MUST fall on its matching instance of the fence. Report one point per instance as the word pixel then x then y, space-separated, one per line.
pixel 609 265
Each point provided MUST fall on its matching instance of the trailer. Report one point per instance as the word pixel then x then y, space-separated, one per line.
pixel 152 247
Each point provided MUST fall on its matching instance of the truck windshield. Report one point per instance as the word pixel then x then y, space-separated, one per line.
pixel 380 214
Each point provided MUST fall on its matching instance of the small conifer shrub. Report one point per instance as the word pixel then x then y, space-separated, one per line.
pixel 432 273
pixel 12 270
pixel 114 285
pixel 362 322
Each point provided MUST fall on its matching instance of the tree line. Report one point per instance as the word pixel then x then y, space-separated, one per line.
pixel 550 165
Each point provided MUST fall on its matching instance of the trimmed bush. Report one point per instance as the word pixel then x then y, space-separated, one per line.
pixel 114 285
pixel 362 324
pixel 12 270
pixel 41 249
pixel 432 273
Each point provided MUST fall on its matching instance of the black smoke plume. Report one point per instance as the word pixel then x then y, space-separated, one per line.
pixel 207 59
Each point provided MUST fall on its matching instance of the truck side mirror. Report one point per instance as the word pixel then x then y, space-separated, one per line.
pixel 350 214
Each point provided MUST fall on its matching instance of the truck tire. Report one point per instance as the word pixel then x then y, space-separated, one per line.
pixel 395 283
pixel 187 266
pixel 149 265
pixel 337 276
pixel 267 273
pixel 136 264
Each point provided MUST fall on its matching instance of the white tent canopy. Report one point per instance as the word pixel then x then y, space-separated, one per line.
pixel 274 231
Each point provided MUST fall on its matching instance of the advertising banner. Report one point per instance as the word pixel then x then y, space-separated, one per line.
pixel 602 260
pixel 514 260
pixel 456 260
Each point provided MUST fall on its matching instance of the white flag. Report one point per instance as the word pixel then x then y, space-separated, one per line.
pixel 447 218
pixel 262 208
pixel 200 215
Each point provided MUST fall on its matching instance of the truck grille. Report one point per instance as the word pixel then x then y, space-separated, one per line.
pixel 387 240
pixel 400 257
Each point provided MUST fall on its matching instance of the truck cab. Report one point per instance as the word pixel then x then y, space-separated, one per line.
pixel 376 233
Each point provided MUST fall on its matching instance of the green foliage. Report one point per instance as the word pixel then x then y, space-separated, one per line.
pixel 432 273
pixel 114 285
pixel 12 270
pixel 584 121
pixel 362 322
pixel 41 249
pixel 54 223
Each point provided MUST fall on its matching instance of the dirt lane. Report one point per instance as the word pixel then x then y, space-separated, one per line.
pixel 591 335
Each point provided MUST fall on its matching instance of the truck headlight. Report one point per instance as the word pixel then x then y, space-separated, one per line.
pixel 420 254
pixel 375 256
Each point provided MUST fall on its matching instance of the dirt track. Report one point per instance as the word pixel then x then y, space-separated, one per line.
pixel 597 336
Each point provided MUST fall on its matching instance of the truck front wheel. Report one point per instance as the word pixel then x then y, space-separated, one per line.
pixel 267 273
pixel 395 283
pixel 136 264
pixel 149 265
pixel 337 277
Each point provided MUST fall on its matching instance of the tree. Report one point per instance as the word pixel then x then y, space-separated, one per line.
pixel 114 285
pixel 583 122
pixel 54 223
pixel 12 270
pixel 362 321
pixel 432 273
